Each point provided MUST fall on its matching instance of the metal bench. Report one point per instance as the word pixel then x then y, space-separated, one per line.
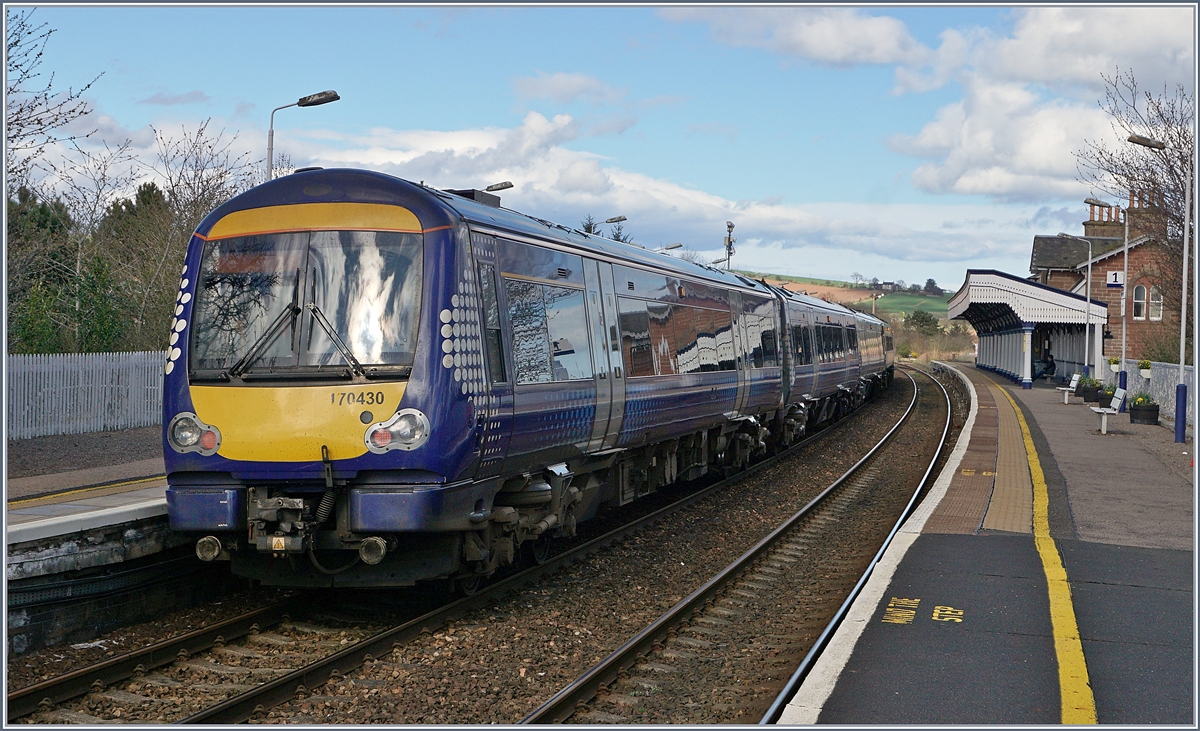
pixel 1069 391
pixel 1113 408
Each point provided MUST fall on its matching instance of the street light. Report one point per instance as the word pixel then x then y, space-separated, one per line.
pixel 1087 328
pixel 1181 387
pixel 873 298
pixel 312 100
pixel 668 247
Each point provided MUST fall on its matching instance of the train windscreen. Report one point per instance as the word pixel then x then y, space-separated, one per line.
pixel 288 302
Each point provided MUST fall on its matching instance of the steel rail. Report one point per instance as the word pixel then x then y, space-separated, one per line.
pixel 272 693
pixel 564 703
pixel 797 679
pixel 28 700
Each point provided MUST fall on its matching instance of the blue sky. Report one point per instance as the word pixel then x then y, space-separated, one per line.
pixel 896 142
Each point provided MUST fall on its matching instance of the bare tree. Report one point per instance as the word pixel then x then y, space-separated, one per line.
pixel 35 115
pixel 691 255
pixel 857 278
pixel 1124 167
pixel 197 172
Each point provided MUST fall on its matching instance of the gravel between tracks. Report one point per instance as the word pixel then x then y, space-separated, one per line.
pixel 498 664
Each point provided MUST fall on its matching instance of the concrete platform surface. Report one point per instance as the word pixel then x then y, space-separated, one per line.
pixel 1047 578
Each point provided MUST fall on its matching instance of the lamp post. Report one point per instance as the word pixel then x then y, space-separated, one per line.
pixel 1087 328
pixel 1181 387
pixel 668 247
pixel 875 297
pixel 312 100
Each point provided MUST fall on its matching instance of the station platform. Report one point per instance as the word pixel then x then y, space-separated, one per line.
pixel 82 519
pixel 1047 578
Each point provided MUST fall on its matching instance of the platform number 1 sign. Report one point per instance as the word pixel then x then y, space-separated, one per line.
pixel 1115 279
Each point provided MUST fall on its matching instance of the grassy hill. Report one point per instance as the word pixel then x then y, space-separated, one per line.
pixel 904 303
pixel 892 305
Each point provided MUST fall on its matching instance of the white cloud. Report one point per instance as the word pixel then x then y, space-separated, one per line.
pixel 1074 45
pixel 564 88
pixel 1002 140
pixel 831 36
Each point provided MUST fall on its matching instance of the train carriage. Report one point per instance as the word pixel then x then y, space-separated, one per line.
pixel 373 383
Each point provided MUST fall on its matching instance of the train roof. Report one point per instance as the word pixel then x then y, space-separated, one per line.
pixel 438 208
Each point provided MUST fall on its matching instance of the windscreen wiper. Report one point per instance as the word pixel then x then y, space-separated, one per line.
pixel 286 317
pixel 337 341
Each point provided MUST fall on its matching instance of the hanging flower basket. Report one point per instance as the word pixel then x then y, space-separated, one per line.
pixel 1145 372
pixel 1114 367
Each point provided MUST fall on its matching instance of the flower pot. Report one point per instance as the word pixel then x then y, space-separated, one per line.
pixel 1103 400
pixel 1143 414
pixel 1114 367
pixel 1145 372
pixel 1087 392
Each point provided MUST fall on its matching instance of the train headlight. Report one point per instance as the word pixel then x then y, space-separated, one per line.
pixel 407 430
pixel 186 433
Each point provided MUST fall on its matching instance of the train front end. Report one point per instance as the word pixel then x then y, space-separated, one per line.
pixel 311 438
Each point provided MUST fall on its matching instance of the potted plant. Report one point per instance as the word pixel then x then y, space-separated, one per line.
pixel 1143 409
pixel 1144 367
pixel 1086 388
pixel 1114 364
pixel 1104 395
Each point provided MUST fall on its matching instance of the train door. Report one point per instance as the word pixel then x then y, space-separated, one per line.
pixel 498 404
pixel 804 355
pixel 606 354
pixel 739 349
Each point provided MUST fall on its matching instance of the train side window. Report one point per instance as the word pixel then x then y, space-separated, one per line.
pixel 566 325
pixel 662 338
pixel 687 339
pixel 723 327
pixel 635 337
pixel 768 348
pixel 706 339
pixel 491 324
pixel 802 344
pixel 852 340
pixel 531 339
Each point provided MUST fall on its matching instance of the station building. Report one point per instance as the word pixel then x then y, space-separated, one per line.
pixel 1019 320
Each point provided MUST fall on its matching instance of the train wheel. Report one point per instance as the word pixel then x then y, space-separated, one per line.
pixel 537 552
pixel 469 586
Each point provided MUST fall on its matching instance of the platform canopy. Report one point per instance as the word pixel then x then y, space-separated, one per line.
pixel 1017 319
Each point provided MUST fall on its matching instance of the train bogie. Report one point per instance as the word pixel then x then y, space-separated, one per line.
pixel 373 383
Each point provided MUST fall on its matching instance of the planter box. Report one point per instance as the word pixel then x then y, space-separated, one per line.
pixel 1087 392
pixel 1115 368
pixel 1144 414
pixel 1145 372
pixel 1103 400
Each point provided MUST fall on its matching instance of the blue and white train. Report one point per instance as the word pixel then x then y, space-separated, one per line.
pixel 374 383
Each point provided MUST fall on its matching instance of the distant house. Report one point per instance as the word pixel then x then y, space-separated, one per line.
pixel 888 286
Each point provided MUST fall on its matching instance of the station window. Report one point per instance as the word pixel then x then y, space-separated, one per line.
pixel 1156 303
pixel 1139 302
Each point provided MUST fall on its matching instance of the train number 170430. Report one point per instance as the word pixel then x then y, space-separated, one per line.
pixel 351 398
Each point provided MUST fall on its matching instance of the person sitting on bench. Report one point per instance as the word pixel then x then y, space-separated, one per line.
pixel 1047 368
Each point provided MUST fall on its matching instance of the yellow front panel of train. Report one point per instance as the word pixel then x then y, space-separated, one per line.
pixel 290 424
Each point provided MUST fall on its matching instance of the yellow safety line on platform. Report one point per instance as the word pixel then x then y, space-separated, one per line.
pixel 92 488
pixel 1078 704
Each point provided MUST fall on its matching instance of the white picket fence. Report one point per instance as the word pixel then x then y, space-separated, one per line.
pixel 75 393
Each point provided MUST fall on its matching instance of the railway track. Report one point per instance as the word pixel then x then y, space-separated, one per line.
pixel 722 653
pixel 280 680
